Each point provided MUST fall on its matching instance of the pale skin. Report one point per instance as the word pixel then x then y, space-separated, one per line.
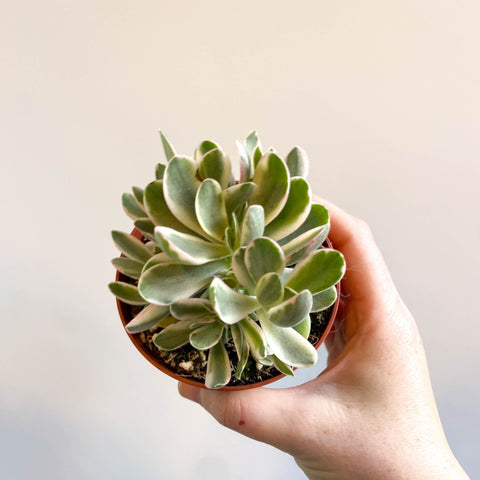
pixel 371 414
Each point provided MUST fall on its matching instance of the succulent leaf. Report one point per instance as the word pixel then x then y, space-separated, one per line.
pixel 255 337
pixel 205 147
pixel 157 208
pixel 319 271
pixel 304 244
pixel 146 226
pixel 273 181
pixel 270 289
pixel 191 308
pixel 206 336
pixel 210 209
pixel 240 270
pixel 129 267
pixel 160 171
pixel 304 327
pixel 187 249
pixel 289 345
pixel 130 246
pixel 166 283
pixel 253 224
pixel 158 258
pixel 150 316
pixel 282 367
pixel 294 212
pixel 174 336
pixel 231 306
pixel 241 346
pixel 167 147
pixel 216 165
pixel 127 293
pixel 317 217
pixel 138 194
pixel 246 164
pixel 180 189
pixel 324 299
pixel 236 195
pixel 262 256
pixel 131 207
pixel 297 162
pixel 218 367
pixel 292 311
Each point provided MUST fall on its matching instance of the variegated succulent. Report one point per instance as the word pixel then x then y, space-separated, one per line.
pixel 227 260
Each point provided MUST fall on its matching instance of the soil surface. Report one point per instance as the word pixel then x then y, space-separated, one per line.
pixel 189 362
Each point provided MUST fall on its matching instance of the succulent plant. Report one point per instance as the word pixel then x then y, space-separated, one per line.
pixel 227 260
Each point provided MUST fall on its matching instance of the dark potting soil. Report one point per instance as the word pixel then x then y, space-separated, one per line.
pixel 189 362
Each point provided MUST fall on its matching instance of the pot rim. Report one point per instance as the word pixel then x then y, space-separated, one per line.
pixel 135 339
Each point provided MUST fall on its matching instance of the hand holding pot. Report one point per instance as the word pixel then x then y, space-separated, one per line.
pixel 371 414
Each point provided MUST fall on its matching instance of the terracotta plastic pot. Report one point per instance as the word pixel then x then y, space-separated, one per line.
pixel 125 316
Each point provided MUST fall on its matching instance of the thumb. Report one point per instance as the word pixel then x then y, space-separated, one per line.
pixel 268 415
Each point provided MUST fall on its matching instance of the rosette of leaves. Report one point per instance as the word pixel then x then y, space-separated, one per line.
pixel 229 260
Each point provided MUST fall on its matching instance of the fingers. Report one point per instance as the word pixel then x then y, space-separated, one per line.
pixel 367 278
pixel 266 415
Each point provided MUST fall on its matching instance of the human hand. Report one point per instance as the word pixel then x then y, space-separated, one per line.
pixel 371 413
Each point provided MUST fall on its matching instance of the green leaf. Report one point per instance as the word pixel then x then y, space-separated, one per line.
pixel 138 194
pixel 262 256
pixel 304 327
pixel 130 246
pixel 241 347
pixel 323 300
pixel 297 162
pixel 251 143
pixel 292 311
pixel 216 165
pixel 146 226
pixel 167 147
pixel 319 271
pixel 218 367
pixel 131 206
pixel 205 147
pixel 127 266
pixel 254 337
pixel 318 217
pixel 230 305
pixel 156 260
pixel 256 156
pixel 174 336
pixel 236 195
pixel 294 212
pixel 246 164
pixel 281 367
pixel 270 289
pixel 157 208
pixel 210 209
pixel 191 308
pixel 180 185
pixel 160 171
pixel 240 270
pixel 169 282
pixel 289 345
pixel 253 224
pixel 184 248
pixel 305 244
pixel 206 336
pixel 147 318
pixel 273 180
pixel 127 293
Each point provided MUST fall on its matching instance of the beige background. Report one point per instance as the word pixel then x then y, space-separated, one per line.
pixel 384 97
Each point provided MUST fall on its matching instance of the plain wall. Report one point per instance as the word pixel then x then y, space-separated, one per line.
pixel 383 96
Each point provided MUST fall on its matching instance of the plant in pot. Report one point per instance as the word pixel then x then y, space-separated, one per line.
pixel 225 283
